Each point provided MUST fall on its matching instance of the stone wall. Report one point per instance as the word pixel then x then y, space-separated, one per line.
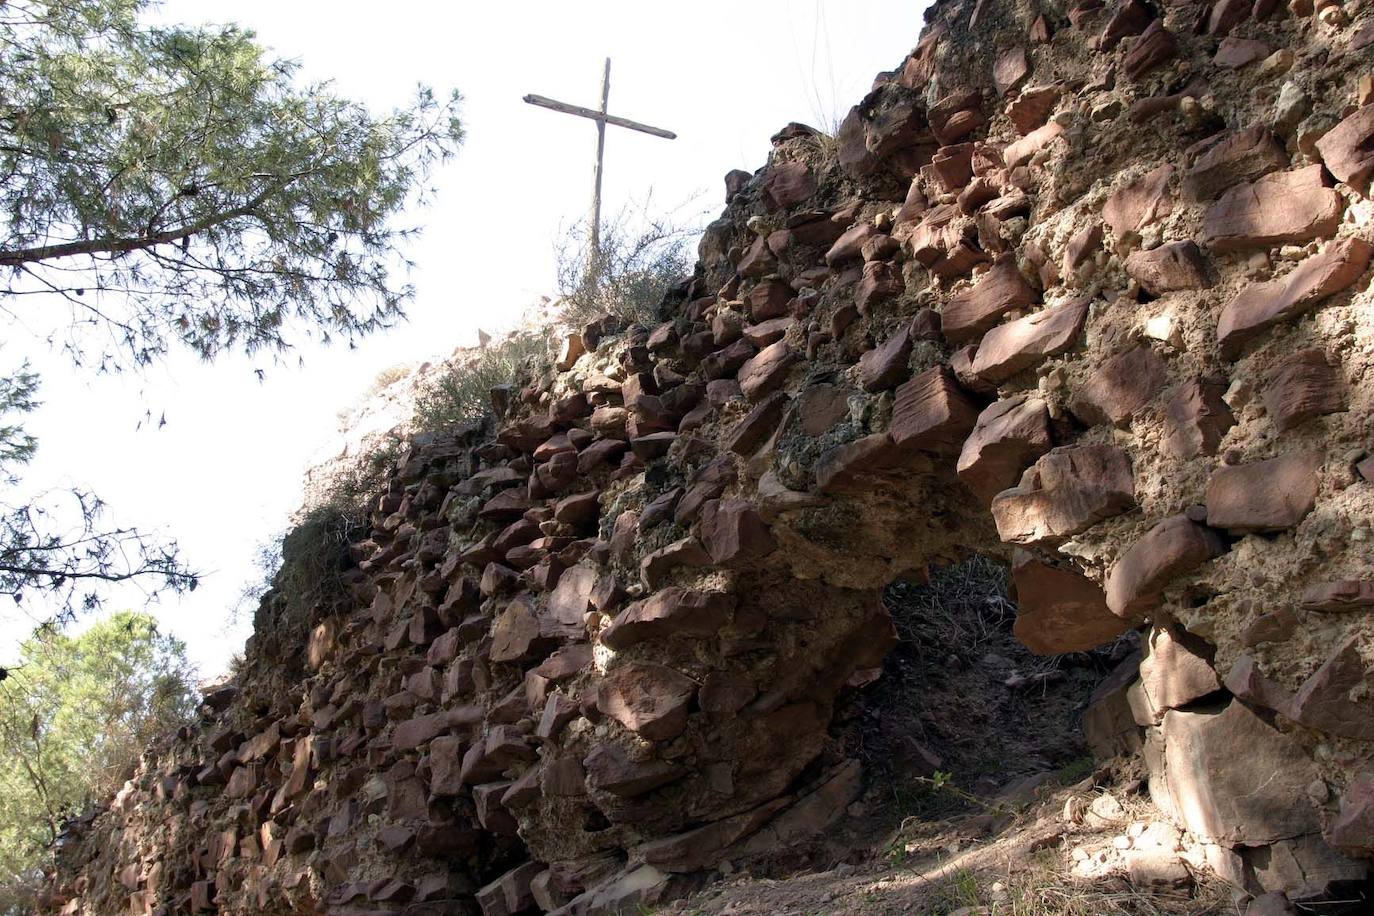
pixel 1085 288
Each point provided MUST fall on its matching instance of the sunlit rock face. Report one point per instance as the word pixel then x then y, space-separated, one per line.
pixel 1083 288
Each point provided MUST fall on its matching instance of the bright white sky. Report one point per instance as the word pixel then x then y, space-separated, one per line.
pixel 225 472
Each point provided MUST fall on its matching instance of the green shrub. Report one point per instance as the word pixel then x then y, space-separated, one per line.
pixel 462 391
pixel 639 260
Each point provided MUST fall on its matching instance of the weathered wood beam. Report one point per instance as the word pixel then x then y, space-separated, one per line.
pixel 595 115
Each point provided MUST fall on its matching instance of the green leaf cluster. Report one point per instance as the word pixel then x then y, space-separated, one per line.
pixel 179 185
pixel 76 711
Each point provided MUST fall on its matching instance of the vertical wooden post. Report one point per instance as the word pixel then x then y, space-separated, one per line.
pixel 594 255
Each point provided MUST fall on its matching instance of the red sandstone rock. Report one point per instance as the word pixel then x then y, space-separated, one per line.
pixel 515 631
pixel 670 612
pixel 881 282
pixel 1064 493
pixel 1263 495
pixel 1346 595
pixel 1155 47
pixel 768 299
pixel 757 425
pixel 1353 828
pixel 1245 681
pixel 658 565
pixel 1260 305
pixel 968 315
pixel 952 167
pixel 569 603
pixel 609 770
pixel 650 700
pixel 1172 548
pixel 694 849
pixel 1029 110
pixel 1010 70
pixel 732 532
pixel 1008 436
pixel 849 246
pixel 1060 611
pixel 770 331
pixel 1174 672
pixel 1026 342
pixel 1280 208
pixel 1131 17
pixel 1347 149
pixel 1324 702
pixel 1140 203
pixel 1022 151
pixel 885 366
pixel 931 413
pixel 787 184
pixel 763 374
pixel 1081 249
pixel 510 893
pixel 1221 799
pixel 843 466
pixel 1196 418
pixel 1235 53
pixel 1171 267
pixel 1120 387
pixel 1245 155
pixel 1303 386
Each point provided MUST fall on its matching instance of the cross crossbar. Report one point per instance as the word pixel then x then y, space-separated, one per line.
pixel 595 115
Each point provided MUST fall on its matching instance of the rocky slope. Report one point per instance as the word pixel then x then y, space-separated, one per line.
pixel 1081 287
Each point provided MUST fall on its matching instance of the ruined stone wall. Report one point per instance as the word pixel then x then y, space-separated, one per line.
pixel 1082 287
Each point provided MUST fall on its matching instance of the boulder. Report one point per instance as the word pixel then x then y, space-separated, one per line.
pixel 1064 493
pixel 650 700
pixel 1260 305
pixel 1324 701
pixel 881 281
pixel 1290 207
pixel 932 413
pixel 1264 496
pixel 765 372
pixel 968 315
pixel 844 467
pixel 1168 268
pixel 1196 418
pixel 787 184
pixel 1347 150
pixel 1058 610
pixel 1172 548
pixel 1342 596
pixel 1175 671
pixel 1304 385
pixel 733 532
pixel 610 770
pixel 672 611
pixel 1233 779
pixel 1133 207
pixel 1122 385
pixel 1155 47
pixel 1008 435
pixel 698 848
pixel 1245 155
pixel 885 366
pixel 1353 829
pixel 751 432
pixel 1026 342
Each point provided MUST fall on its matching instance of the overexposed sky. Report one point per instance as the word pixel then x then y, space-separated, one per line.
pixel 225 471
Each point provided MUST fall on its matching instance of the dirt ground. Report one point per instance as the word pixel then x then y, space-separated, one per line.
pixel 981 797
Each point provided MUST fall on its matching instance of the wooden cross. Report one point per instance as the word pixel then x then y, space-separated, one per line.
pixel 602 119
